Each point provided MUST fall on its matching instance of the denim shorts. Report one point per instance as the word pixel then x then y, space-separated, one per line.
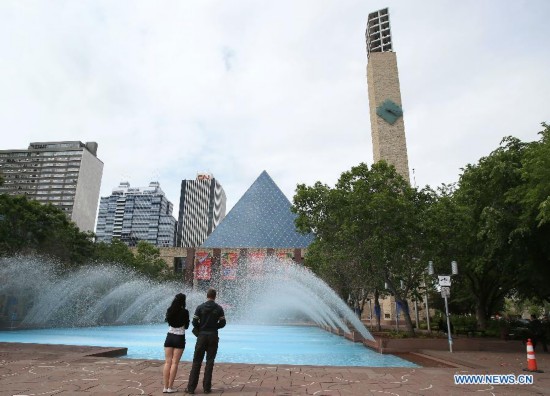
pixel 175 341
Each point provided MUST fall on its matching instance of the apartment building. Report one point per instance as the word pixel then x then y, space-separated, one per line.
pixel 66 174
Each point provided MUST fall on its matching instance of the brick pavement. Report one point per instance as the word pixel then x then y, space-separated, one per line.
pixel 32 369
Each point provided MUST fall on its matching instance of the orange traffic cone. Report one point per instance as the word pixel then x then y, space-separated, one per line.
pixel 531 360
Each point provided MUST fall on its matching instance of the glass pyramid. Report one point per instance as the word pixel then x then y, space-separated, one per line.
pixel 260 219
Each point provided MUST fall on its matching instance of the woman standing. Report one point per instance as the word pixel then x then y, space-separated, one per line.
pixel 178 320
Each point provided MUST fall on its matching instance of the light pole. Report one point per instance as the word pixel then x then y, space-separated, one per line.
pixel 430 271
pixel 416 315
pixel 370 312
pixel 445 285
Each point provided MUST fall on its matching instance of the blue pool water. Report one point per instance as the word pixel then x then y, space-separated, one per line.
pixel 294 345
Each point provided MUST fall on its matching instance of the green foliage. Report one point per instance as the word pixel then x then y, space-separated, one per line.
pixel 148 260
pixel 515 307
pixel 368 230
pixel 373 228
pixel 29 227
pixel 116 252
pixel 474 223
pixel 532 228
pixel 493 224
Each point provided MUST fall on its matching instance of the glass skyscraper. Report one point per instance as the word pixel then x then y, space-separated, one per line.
pixel 136 214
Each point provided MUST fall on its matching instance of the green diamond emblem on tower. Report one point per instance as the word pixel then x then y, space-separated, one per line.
pixel 389 111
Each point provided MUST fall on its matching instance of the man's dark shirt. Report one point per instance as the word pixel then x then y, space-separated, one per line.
pixel 209 317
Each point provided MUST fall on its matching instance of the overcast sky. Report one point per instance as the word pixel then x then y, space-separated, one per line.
pixel 170 88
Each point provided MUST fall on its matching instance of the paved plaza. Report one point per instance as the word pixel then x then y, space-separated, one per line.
pixel 33 369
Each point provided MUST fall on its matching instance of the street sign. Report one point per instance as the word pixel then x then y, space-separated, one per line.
pixel 445 291
pixel 444 280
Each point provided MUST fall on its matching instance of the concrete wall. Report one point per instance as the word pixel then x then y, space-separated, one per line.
pixel 388 140
pixel 87 192
pixel 393 345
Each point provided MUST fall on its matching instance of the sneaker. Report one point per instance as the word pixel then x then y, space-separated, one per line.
pixel 191 392
pixel 165 390
pixel 208 391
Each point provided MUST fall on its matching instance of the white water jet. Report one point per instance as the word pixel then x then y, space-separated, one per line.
pixel 288 292
pixel 282 292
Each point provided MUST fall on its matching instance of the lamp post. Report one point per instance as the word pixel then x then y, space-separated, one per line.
pixel 416 315
pixel 370 312
pixel 445 285
pixel 430 272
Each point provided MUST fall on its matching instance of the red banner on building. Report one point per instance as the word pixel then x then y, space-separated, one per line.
pixel 229 265
pixel 203 266
pixel 284 256
pixel 285 259
pixel 255 264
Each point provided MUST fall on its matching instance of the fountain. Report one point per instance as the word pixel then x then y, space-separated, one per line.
pixel 285 292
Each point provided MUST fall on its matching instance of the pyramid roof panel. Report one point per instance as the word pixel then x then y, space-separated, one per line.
pixel 261 219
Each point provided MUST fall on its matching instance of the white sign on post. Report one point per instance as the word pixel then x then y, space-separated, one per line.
pixel 445 291
pixel 444 280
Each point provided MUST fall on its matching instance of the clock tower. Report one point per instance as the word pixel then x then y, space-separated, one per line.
pixel 386 112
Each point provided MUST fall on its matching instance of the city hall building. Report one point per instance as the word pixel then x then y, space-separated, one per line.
pixel 260 225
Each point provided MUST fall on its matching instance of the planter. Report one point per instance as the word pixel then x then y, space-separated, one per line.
pixel 395 345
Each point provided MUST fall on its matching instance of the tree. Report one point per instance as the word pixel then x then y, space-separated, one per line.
pixel 28 226
pixel 148 260
pixel 372 217
pixel 533 227
pixel 490 252
pixel 116 252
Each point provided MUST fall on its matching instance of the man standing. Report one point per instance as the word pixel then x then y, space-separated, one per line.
pixel 208 318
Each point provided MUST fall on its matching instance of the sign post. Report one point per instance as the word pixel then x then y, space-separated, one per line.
pixel 449 336
pixel 445 287
pixel 444 280
pixel 445 284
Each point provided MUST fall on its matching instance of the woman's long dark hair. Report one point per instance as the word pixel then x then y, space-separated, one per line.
pixel 176 308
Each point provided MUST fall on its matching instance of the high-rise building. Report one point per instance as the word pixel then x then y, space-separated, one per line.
pixel 202 208
pixel 386 112
pixel 66 174
pixel 136 214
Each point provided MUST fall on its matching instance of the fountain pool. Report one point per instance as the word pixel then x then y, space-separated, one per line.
pixel 239 343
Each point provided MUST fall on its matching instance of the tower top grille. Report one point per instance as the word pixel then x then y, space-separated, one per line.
pixel 378 32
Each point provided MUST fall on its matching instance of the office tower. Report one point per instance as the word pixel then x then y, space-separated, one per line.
pixel 66 174
pixel 386 112
pixel 202 208
pixel 136 214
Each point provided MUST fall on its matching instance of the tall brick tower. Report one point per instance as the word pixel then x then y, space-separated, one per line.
pixel 386 113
